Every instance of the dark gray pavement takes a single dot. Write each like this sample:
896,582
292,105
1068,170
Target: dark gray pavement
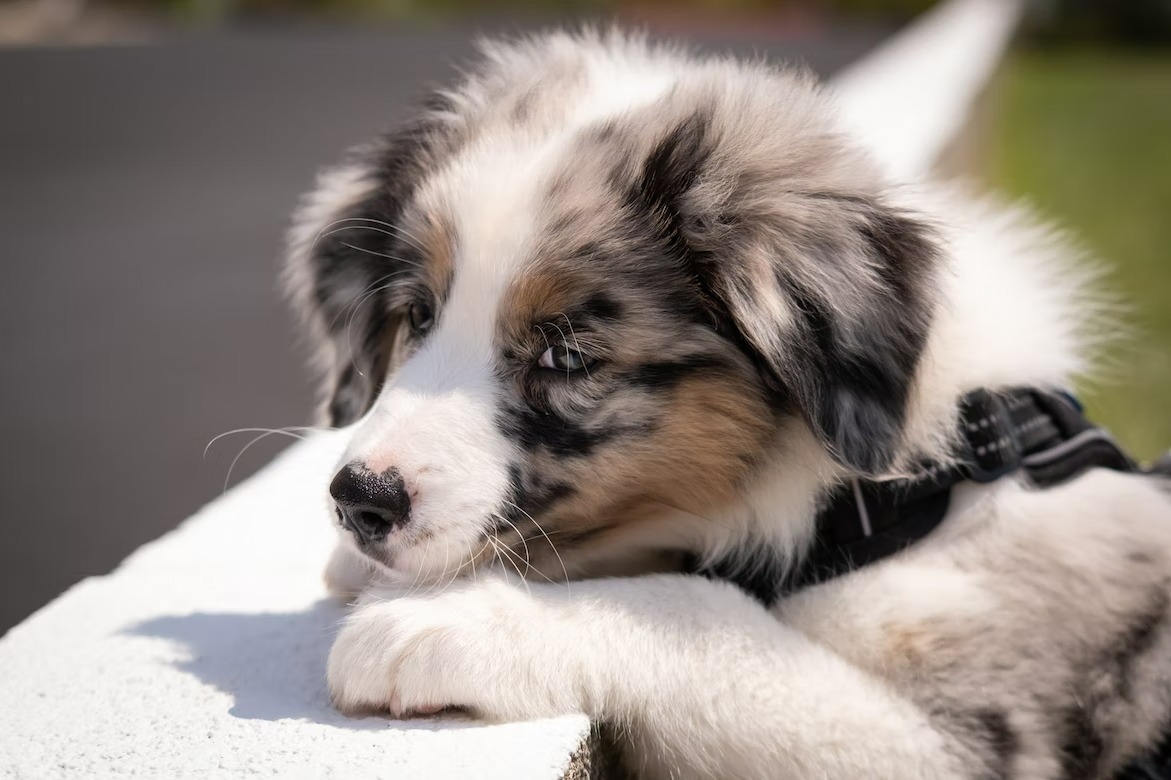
143,195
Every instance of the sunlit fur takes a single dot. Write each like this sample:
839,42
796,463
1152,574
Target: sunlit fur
766,316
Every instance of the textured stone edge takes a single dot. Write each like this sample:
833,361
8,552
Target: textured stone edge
598,757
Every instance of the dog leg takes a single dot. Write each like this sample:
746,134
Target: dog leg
703,680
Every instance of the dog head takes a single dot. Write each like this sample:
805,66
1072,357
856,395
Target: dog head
594,283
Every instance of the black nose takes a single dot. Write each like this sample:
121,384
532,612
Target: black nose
370,505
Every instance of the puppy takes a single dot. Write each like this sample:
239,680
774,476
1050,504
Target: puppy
605,315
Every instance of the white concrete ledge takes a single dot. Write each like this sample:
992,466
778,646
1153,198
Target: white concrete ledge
203,654
908,99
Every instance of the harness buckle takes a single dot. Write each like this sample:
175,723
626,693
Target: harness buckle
993,449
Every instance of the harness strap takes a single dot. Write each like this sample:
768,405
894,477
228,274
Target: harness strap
1043,436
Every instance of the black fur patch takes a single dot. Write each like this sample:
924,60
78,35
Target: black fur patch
1154,764
530,494
602,307
1080,745
655,198
671,169
355,257
1001,742
666,375
534,492
547,429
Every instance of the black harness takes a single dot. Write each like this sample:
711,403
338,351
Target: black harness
1041,436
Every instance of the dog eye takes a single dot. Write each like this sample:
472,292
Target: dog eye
420,316
562,358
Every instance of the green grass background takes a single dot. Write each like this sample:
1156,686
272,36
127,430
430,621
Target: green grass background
1085,135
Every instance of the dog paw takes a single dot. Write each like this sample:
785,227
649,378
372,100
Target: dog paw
482,648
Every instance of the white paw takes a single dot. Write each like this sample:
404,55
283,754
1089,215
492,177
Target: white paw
480,647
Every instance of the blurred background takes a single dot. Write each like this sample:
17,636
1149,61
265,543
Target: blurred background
151,151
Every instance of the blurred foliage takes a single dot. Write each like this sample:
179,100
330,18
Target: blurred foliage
213,10
1084,135
1129,21
1046,20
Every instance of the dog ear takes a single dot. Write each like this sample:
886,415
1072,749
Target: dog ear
860,320
830,291
836,299
344,248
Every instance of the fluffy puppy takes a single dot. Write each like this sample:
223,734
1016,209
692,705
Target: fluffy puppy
604,308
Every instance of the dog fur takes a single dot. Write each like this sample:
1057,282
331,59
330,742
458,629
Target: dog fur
760,316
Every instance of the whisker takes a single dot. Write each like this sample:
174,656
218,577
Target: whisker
561,333
291,430
460,566
415,584
502,548
399,232
496,555
477,554
576,344
513,559
552,546
528,566
466,537
554,532
381,254
435,586
359,298
499,547
545,337
474,556
410,237
326,233
248,446
366,295
353,316
528,557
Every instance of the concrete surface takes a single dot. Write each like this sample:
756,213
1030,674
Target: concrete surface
202,656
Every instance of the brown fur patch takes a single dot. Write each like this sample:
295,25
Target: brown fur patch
438,240
533,297
703,438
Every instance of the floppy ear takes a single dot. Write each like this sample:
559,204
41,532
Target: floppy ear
858,332
831,291
836,297
344,248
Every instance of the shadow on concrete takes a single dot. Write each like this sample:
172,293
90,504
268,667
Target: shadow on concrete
272,664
